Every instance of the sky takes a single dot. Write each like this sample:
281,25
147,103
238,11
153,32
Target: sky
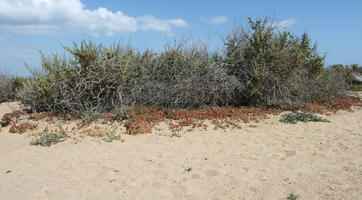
30,26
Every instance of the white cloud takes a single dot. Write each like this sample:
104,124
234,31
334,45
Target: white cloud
149,22
216,20
54,16
284,23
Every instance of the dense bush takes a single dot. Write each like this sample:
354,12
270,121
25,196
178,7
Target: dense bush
10,86
346,75
4,84
276,67
98,79
94,80
185,77
260,65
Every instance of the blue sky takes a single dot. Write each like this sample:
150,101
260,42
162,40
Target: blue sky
30,26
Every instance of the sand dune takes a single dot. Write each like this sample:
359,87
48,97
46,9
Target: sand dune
269,161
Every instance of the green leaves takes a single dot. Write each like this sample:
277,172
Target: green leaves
274,65
301,116
48,139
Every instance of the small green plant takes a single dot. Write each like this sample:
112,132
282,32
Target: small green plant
188,169
292,197
301,116
48,139
253,126
111,135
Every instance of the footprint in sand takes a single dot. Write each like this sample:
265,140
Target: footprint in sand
317,130
211,172
195,176
290,153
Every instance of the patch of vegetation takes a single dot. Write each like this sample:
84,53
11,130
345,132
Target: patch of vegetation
111,135
259,65
4,84
301,116
10,86
293,197
48,139
10,117
186,83
22,127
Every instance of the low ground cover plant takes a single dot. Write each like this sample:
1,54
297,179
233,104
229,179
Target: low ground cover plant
48,139
22,127
293,196
292,118
111,136
143,119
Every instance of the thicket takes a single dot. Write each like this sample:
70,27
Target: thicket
10,86
348,74
259,65
4,82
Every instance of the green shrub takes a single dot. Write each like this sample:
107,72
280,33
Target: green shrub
48,139
276,68
183,77
293,197
260,65
4,85
111,135
301,116
95,80
10,86
101,79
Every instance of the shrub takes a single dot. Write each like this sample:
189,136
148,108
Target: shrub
4,86
48,139
301,116
100,79
185,77
260,66
293,197
111,135
94,80
346,75
10,86
276,68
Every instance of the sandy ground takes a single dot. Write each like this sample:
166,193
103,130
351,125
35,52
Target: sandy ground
269,161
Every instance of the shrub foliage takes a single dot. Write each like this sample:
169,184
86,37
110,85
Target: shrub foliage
301,116
10,86
259,65
4,84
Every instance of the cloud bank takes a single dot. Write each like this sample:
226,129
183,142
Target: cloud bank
216,20
67,16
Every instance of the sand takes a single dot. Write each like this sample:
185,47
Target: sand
268,160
